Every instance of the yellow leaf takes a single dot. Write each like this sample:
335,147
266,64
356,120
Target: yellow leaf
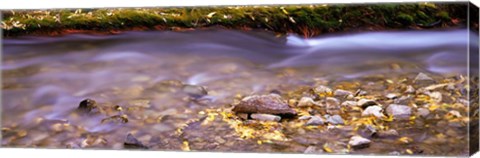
327,149
185,146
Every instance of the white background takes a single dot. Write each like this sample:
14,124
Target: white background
52,153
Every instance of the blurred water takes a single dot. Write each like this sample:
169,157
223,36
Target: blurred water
48,76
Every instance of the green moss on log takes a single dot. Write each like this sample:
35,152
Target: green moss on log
306,20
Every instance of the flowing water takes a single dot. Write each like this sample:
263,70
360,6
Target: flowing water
45,78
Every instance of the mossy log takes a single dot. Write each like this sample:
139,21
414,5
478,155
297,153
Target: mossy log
306,20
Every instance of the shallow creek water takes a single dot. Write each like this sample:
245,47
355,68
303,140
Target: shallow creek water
140,77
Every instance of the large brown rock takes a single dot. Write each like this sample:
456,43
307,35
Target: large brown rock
266,104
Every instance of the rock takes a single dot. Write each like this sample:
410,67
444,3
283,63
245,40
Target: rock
359,142
450,87
133,143
399,110
276,91
349,103
370,130
423,112
265,117
315,121
304,117
394,153
423,79
403,100
312,150
341,93
116,119
364,103
87,105
266,104
373,111
306,101
455,114
335,120
166,86
332,103
195,91
140,103
410,89
391,133
391,95
360,92
243,116
436,96
322,90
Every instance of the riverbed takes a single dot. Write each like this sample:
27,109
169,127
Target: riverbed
175,91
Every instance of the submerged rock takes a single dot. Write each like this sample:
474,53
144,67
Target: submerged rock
116,119
133,143
266,104
359,142
265,117
87,105
391,133
423,79
195,91
315,121
399,110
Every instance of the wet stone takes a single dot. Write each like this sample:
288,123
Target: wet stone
265,117
335,120
423,112
399,110
403,100
167,86
360,92
332,103
364,103
87,105
315,121
243,116
304,117
306,101
133,143
373,111
391,95
116,119
342,93
358,142
322,90
391,133
313,150
436,96
195,91
349,103
266,104
370,130
410,89
423,80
